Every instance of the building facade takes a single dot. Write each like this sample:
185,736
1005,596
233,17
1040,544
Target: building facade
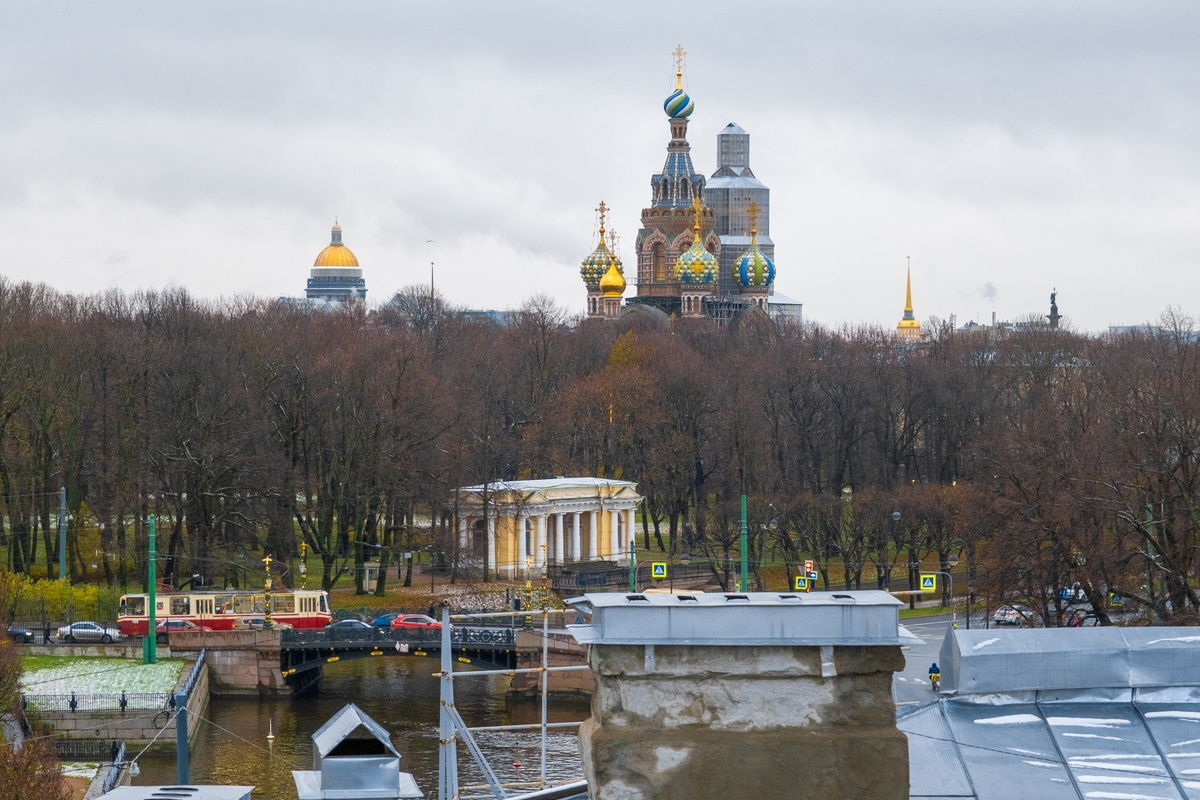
531,524
336,277
696,235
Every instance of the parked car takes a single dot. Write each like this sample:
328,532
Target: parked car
416,622
349,627
1010,614
169,626
257,624
383,622
20,635
87,632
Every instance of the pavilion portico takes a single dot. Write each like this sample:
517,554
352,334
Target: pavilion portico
551,522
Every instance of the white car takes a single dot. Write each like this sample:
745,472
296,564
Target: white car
87,632
1009,614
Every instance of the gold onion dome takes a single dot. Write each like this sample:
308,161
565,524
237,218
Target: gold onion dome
336,254
696,265
613,282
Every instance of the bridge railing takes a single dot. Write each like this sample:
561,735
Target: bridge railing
465,636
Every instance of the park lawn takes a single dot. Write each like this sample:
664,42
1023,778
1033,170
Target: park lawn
48,675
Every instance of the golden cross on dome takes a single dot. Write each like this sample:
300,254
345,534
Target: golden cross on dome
679,53
603,209
753,218
698,208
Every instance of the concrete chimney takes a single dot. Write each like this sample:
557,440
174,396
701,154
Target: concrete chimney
758,695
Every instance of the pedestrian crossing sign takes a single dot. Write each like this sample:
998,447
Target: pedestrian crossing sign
801,583
928,583
658,569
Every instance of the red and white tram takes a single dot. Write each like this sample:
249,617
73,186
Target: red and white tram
300,608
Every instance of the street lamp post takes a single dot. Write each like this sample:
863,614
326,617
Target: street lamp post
745,577
267,615
149,649
686,558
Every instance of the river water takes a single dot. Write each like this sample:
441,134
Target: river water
401,694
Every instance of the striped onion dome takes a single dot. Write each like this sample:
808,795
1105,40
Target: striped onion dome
753,269
679,104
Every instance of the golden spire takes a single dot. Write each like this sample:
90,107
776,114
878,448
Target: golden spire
753,222
603,209
679,54
908,291
698,210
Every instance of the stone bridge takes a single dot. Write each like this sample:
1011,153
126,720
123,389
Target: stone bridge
284,661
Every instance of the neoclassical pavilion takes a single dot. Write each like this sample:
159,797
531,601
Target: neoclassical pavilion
555,521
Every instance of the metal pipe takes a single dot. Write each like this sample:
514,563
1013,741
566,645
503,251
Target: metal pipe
526,727
181,738
745,584
545,687
447,749
482,672
150,654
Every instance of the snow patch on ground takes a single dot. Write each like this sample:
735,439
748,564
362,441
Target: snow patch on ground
75,769
105,676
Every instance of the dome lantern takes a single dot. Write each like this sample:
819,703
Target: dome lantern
336,254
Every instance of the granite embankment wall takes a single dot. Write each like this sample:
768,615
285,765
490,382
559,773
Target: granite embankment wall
563,651
134,726
241,663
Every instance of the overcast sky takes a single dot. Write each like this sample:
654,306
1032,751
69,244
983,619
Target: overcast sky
1007,147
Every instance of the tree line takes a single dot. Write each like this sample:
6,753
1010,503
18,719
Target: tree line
1042,458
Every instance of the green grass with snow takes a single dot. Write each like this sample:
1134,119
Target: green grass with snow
52,675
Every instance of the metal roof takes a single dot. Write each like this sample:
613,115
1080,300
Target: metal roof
188,792
1058,660
340,726
753,618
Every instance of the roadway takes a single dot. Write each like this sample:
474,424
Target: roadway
911,686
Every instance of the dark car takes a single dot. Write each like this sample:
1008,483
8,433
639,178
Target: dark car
20,635
349,627
383,622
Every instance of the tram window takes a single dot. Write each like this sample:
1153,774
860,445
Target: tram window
224,603
283,603
243,604
134,606
323,603
180,605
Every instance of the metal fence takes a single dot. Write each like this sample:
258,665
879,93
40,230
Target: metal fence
97,751
77,703
463,635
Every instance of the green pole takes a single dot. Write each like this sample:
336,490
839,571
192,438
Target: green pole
745,551
150,653
62,533
632,564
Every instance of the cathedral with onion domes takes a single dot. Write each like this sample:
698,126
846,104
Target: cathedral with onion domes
702,251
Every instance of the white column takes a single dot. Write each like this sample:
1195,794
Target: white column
594,537
558,539
631,526
491,537
618,543
540,553
576,539
522,544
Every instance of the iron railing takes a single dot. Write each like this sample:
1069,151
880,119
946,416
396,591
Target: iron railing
460,636
77,702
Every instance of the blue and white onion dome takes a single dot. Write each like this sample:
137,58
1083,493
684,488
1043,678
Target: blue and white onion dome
753,268
595,265
679,104
696,265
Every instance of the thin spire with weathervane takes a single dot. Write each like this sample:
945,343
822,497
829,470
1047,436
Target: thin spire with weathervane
908,327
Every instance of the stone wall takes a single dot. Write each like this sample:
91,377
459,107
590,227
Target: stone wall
242,663
564,651
685,722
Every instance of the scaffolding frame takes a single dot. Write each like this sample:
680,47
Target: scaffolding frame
452,727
